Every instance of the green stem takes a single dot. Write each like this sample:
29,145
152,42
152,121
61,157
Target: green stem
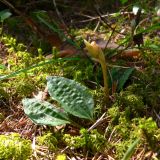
105,79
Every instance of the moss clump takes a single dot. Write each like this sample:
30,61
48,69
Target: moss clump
114,114
3,94
61,157
14,147
127,131
131,103
18,61
130,100
149,131
92,141
48,140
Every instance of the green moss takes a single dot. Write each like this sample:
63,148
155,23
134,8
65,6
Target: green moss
61,157
114,113
147,124
3,93
24,83
79,71
131,103
14,147
93,141
25,87
127,131
121,147
74,141
130,100
48,140
149,131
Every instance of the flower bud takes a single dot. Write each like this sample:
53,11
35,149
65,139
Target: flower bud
94,50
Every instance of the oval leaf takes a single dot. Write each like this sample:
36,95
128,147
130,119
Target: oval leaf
44,113
72,96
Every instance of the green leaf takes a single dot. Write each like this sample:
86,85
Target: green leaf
44,113
120,75
72,96
124,77
4,15
130,150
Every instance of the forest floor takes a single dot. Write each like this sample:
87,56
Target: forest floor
125,125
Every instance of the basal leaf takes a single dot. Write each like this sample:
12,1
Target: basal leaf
72,96
44,113
120,75
127,72
4,15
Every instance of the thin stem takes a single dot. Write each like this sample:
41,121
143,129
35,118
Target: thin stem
105,79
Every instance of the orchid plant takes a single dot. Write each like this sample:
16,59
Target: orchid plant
97,54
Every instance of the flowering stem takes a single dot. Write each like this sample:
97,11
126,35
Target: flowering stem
97,54
105,80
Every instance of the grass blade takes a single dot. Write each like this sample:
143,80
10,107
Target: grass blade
130,150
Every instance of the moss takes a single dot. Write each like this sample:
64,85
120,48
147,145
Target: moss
114,114
14,147
121,147
93,141
149,131
25,87
26,82
48,140
148,124
61,157
130,100
3,93
131,103
127,131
